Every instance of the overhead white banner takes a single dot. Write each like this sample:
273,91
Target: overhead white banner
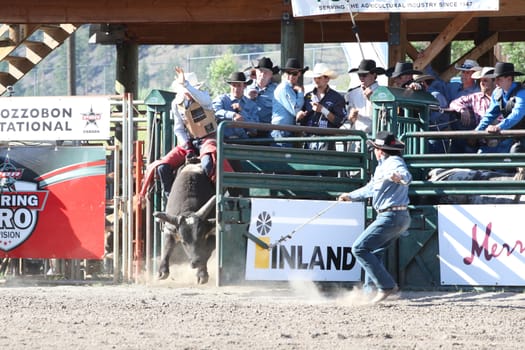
302,8
319,249
53,118
482,244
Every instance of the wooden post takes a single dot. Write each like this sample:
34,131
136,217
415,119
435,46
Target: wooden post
292,38
127,68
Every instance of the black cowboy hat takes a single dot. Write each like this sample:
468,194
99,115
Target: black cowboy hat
238,77
385,140
367,66
402,68
503,69
294,64
265,62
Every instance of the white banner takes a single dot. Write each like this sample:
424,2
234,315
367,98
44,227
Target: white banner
482,244
302,8
54,118
320,247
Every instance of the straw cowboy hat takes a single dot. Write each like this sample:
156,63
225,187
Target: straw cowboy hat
503,69
238,77
266,63
385,140
294,64
418,78
320,69
179,89
469,65
402,68
483,73
367,66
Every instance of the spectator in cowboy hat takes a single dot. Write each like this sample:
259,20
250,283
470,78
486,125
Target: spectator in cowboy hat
262,91
507,100
401,74
323,107
389,192
288,98
358,104
467,85
235,106
471,108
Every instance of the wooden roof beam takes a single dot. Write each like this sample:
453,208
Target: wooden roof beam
442,40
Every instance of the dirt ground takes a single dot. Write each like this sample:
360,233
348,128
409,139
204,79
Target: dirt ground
177,314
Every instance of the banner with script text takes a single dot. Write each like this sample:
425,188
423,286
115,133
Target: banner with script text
482,245
54,118
303,8
320,246
52,202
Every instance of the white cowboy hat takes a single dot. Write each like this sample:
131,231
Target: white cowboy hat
320,69
483,73
469,65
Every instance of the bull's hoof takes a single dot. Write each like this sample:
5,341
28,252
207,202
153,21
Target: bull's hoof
202,277
163,275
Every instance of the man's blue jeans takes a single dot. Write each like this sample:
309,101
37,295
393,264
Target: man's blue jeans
369,247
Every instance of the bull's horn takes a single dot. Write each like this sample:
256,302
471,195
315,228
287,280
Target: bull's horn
204,211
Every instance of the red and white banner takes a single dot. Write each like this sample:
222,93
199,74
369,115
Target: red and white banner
319,249
52,202
53,118
482,244
303,8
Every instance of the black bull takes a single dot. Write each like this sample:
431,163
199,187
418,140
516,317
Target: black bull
190,219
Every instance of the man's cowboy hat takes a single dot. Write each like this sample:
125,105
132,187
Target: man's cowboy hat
179,89
266,63
238,77
483,73
385,140
402,68
418,78
469,66
503,69
320,69
293,64
367,66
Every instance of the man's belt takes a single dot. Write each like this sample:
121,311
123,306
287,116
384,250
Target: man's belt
394,208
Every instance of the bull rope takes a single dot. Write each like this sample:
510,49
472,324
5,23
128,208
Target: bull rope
294,231
355,30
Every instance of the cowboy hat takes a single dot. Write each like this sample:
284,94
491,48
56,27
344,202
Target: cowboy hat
179,89
294,64
402,68
266,63
469,65
367,66
483,73
418,78
238,77
320,69
385,140
503,69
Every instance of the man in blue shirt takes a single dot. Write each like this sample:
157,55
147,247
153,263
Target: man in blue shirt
237,107
389,192
507,100
263,89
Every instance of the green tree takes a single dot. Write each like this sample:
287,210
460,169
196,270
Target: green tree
219,69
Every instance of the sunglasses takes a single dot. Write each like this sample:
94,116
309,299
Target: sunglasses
362,75
294,73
